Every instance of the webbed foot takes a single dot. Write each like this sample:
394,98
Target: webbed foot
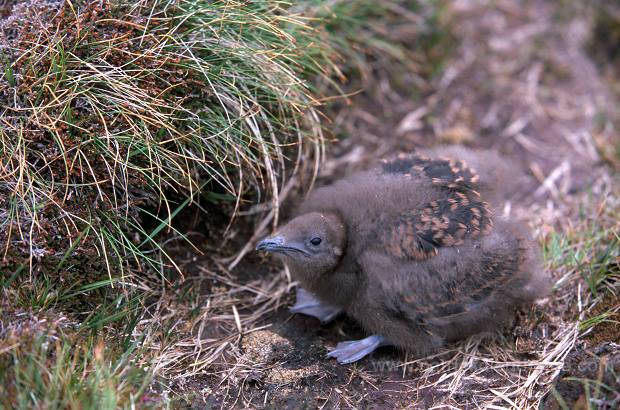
353,350
309,305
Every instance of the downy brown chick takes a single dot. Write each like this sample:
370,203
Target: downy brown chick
412,252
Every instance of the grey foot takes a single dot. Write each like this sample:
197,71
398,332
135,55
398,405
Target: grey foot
353,350
308,305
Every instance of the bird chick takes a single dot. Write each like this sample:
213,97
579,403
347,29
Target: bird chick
412,252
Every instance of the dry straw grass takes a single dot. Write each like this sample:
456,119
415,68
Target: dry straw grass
114,114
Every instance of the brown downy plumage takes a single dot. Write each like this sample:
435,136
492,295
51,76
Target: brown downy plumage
411,251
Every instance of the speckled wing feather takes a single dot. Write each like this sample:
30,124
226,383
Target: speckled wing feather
444,172
443,222
458,214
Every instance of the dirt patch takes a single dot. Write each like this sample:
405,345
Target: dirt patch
589,375
608,330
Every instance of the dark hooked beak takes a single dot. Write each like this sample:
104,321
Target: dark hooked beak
279,244
270,244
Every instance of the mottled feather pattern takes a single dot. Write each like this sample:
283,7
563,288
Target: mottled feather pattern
443,222
445,172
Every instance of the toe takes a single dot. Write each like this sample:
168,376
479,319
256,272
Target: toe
354,350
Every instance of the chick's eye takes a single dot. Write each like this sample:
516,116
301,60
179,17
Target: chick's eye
316,241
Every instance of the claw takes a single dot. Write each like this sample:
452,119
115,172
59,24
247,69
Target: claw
308,305
353,350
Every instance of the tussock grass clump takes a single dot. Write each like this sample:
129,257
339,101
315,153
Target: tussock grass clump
115,110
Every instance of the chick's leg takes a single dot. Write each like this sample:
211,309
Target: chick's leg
309,305
353,350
